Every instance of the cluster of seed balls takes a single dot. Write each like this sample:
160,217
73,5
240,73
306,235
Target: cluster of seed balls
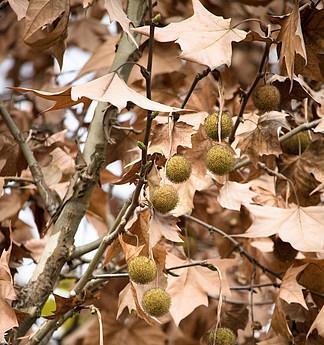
142,270
219,160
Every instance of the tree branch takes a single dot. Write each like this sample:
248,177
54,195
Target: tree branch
50,203
72,213
238,246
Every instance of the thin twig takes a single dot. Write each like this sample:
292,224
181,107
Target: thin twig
246,95
236,244
252,303
45,193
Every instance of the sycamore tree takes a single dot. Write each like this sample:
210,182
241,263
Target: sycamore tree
213,112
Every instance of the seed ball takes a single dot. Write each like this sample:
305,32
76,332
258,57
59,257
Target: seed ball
211,125
178,169
222,336
219,160
266,98
142,270
283,251
156,302
165,199
296,144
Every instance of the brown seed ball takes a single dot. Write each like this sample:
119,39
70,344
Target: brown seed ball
219,160
178,169
222,336
165,199
211,125
266,98
142,270
283,251
156,302
296,144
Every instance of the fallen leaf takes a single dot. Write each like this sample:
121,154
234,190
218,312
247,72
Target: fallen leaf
290,291
116,13
318,324
203,38
108,88
194,284
292,39
302,227
232,195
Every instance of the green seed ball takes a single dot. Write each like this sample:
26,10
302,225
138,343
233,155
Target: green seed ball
165,199
219,160
296,144
266,98
142,270
222,336
211,125
178,169
156,302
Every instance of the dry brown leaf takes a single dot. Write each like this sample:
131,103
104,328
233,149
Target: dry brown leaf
264,139
116,13
290,291
129,250
46,25
8,318
318,324
232,195
102,58
279,322
193,285
163,226
7,294
292,39
167,137
302,227
203,38
312,21
20,7
87,33
108,88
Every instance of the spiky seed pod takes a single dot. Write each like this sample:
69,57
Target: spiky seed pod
156,302
178,169
222,336
211,125
219,160
142,270
266,98
296,144
165,198
283,251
